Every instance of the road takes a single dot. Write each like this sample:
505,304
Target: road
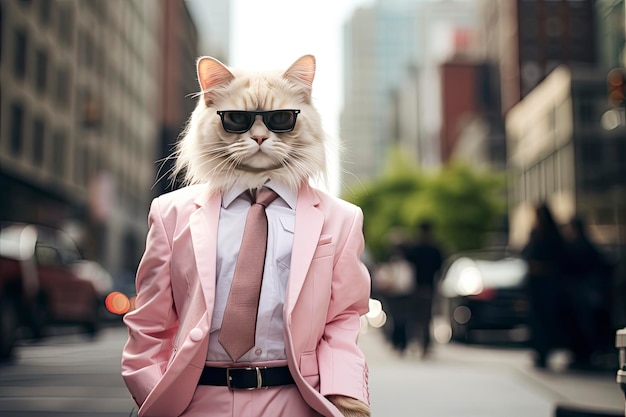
71,376
68,376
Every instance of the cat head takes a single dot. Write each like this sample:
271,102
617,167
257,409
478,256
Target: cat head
225,154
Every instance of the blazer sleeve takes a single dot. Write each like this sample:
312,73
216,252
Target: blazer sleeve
343,369
152,325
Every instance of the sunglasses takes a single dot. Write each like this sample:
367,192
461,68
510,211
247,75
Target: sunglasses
240,121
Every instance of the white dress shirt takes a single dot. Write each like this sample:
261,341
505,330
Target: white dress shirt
281,215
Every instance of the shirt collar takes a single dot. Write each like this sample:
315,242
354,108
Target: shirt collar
285,192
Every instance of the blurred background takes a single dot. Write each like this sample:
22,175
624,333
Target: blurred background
466,114
512,97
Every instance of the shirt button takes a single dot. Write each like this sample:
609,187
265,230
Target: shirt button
258,352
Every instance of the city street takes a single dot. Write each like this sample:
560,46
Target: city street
72,376
68,376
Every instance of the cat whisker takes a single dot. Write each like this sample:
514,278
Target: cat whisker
168,173
349,188
227,164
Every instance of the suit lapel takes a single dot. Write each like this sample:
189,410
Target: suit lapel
203,226
309,222
308,227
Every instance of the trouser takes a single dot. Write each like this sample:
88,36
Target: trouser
220,401
284,401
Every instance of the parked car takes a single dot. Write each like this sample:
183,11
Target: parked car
101,278
484,290
39,285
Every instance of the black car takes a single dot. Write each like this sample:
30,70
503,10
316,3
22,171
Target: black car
484,290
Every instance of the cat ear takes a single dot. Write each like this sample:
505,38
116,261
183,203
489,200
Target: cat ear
211,73
302,71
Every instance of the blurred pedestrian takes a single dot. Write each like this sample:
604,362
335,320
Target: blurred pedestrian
426,257
394,281
587,283
544,254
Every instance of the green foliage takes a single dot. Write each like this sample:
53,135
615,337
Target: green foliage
461,202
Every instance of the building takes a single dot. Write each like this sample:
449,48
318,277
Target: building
179,85
81,94
393,49
562,154
559,151
527,39
476,129
359,115
213,23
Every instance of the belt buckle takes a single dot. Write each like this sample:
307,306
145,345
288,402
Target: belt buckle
259,377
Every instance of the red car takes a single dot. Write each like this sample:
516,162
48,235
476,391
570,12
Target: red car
40,285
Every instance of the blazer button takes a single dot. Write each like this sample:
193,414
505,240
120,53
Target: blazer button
196,334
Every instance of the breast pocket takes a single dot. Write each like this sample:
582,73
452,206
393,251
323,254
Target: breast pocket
325,247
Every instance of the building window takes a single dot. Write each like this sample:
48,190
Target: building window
19,51
17,129
80,166
58,154
45,12
63,87
66,24
86,50
41,80
38,142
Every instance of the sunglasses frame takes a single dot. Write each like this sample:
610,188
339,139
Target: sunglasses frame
264,116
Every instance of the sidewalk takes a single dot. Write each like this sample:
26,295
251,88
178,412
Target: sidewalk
507,373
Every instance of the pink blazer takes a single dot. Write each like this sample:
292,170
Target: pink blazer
328,291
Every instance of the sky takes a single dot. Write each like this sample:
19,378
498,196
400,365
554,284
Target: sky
272,34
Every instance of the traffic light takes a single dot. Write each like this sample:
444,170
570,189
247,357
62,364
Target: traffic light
616,82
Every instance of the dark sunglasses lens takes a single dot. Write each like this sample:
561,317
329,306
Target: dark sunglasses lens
281,120
237,121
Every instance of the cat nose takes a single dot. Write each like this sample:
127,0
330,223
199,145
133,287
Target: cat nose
259,132
259,139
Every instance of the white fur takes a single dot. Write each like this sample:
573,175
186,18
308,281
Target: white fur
208,154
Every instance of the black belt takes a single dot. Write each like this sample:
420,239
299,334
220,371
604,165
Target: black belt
249,378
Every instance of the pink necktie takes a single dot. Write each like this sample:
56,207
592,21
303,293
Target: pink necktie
239,323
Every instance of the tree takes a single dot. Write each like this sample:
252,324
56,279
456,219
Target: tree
463,204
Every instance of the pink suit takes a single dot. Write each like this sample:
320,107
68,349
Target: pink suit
328,291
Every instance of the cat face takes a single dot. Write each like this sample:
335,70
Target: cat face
218,149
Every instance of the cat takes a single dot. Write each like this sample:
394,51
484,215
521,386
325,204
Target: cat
209,154
250,130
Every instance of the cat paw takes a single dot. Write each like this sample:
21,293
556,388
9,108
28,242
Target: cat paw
349,406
